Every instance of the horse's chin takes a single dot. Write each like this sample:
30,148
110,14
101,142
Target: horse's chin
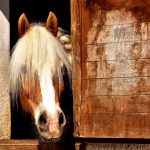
46,137
49,140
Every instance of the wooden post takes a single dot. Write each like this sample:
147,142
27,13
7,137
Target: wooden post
4,81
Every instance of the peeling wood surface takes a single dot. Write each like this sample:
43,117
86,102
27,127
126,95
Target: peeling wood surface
116,86
112,68
116,51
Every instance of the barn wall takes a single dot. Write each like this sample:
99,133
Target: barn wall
111,77
4,61
111,62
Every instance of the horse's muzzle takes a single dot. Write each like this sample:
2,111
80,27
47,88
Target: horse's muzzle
51,126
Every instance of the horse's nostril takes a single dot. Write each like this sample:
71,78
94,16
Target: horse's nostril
61,119
42,119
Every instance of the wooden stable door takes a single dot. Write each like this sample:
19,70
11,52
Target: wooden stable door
111,69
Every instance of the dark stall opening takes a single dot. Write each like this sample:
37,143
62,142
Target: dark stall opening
37,11
22,126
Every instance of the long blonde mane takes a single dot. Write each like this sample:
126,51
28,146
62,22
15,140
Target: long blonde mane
38,48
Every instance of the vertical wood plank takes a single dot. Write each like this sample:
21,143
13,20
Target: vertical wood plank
76,50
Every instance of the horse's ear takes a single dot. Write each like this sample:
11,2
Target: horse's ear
23,25
52,23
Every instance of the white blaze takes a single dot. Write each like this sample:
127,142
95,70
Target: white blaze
47,91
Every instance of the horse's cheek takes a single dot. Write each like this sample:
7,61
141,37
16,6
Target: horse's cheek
27,104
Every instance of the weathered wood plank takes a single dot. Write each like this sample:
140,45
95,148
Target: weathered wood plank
76,53
116,86
116,33
33,145
116,51
139,8
99,17
92,17
19,144
96,16
113,69
119,125
113,4
114,146
118,104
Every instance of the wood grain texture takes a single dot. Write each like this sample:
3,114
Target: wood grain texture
19,144
76,53
114,70
116,51
116,33
116,86
120,125
116,104
33,145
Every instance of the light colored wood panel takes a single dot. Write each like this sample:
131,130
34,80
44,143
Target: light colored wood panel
116,86
113,69
120,16
118,104
116,33
116,51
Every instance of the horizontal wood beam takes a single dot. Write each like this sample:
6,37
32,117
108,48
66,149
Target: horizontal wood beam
33,145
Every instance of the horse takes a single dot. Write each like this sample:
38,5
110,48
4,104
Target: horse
37,67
